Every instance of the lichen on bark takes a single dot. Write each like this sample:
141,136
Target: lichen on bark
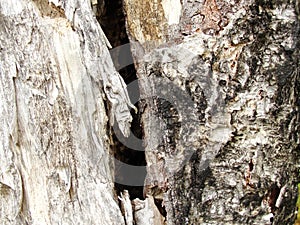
240,68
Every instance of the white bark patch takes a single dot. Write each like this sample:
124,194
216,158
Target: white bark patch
11,7
56,2
281,196
172,10
146,212
126,207
52,92
64,174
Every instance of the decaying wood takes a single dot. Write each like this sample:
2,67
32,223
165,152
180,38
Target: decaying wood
146,212
220,82
56,74
126,207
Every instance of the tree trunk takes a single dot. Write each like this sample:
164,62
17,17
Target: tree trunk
216,136
57,84
220,82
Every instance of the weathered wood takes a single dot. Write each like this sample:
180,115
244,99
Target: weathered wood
220,111
56,74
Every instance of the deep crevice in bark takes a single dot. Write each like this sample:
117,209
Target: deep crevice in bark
111,17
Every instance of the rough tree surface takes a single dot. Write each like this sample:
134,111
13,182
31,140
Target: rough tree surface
238,63
219,83
56,79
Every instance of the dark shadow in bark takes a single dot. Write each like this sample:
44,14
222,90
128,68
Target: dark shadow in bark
112,20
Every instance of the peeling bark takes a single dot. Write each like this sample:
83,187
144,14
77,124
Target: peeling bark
126,207
219,111
56,78
146,212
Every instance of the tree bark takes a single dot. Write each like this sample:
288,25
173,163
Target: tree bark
219,110
220,82
58,88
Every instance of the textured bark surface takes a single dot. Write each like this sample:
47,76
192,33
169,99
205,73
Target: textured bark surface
219,110
228,151
58,83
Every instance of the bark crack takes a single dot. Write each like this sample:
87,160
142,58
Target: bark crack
128,152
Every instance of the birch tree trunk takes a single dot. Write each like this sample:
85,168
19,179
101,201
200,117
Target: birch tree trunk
218,112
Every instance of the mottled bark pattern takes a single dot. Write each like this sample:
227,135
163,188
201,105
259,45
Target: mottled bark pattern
220,111
239,64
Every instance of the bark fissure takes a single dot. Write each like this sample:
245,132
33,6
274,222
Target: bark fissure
111,18
217,140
